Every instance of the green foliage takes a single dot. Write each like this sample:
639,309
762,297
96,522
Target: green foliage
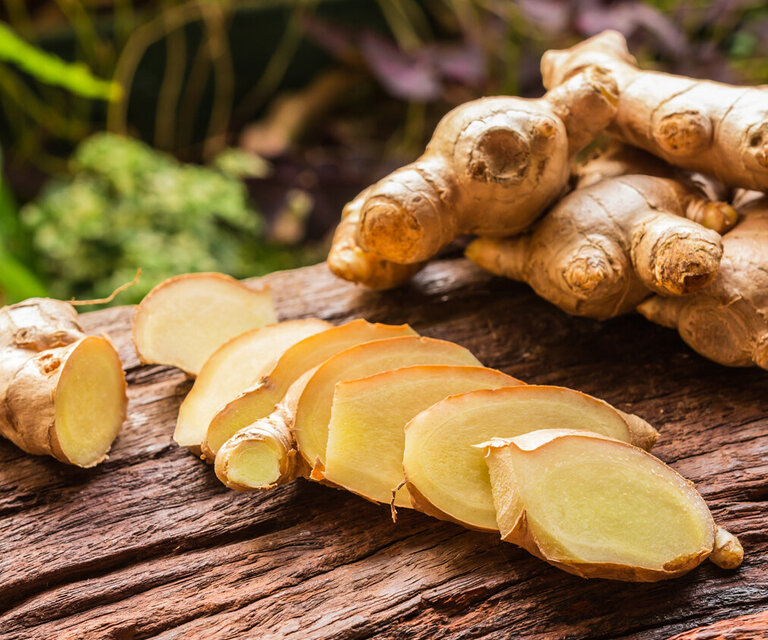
127,206
16,281
51,69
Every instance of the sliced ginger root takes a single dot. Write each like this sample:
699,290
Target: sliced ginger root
313,411
62,393
234,367
728,321
604,248
184,319
445,473
305,412
601,508
263,454
492,166
259,401
366,433
700,125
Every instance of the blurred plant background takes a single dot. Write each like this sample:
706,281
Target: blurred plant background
191,135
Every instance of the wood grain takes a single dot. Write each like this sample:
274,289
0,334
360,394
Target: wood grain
149,544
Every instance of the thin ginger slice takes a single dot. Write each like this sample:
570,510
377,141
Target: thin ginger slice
184,319
259,401
313,412
232,368
366,434
601,508
446,474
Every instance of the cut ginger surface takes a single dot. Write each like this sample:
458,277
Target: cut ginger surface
598,507
366,434
446,473
184,319
233,367
313,412
259,401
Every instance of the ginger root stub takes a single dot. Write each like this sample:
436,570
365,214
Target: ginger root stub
62,393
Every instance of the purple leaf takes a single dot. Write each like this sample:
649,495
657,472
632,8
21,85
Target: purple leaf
629,18
405,77
552,16
463,63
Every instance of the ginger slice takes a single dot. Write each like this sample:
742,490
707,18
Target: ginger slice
259,401
601,508
232,368
62,393
313,412
184,319
366,434
445,472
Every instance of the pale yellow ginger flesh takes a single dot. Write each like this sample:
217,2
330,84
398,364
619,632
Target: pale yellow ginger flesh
263,454
313,412
446,474
90,402
599,508
700,125
234,367
366,434
728,321
259,401
184,319
62,393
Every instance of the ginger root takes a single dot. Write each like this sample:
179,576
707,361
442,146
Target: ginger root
184,319
728,321
601,508
348,261
701,125
445,473
604,248
263,455
492,166
62,393
305,412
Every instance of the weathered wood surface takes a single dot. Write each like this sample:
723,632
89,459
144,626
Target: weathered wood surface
151,545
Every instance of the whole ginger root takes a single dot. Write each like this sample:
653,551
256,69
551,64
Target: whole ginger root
62,393
604,248
728,321
493,165
700,125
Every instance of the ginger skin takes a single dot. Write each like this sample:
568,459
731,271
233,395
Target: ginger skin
348,261
45,357
700,125
603,249
728,321
492,166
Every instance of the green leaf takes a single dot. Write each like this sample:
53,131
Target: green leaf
16,281
51,69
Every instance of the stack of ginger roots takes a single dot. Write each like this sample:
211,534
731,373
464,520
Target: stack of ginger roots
415,422
669,217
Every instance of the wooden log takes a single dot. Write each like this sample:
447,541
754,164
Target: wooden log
149,544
